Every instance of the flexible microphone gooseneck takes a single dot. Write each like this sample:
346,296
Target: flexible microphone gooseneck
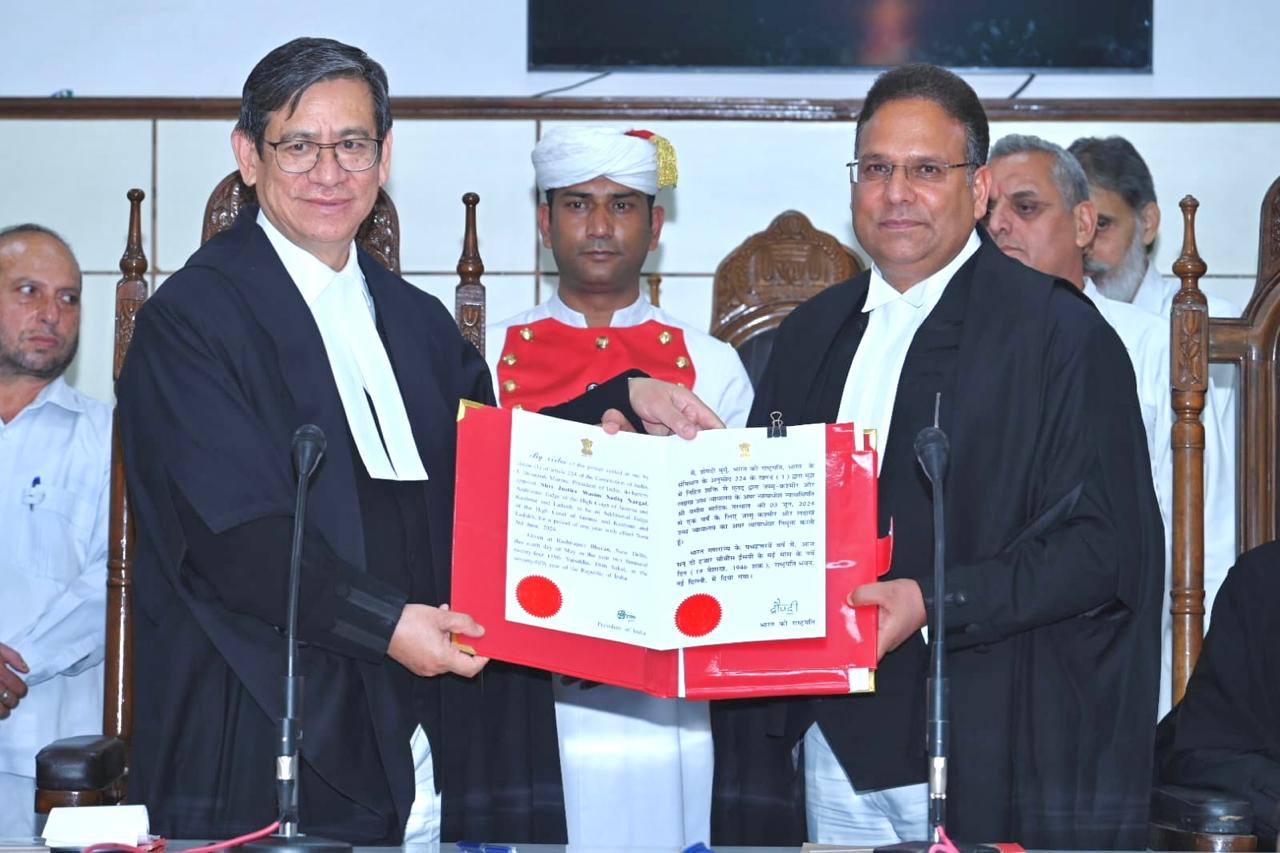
933,451
308,450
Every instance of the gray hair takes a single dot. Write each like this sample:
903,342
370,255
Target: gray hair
283,75
1067,173
13,231
1114,164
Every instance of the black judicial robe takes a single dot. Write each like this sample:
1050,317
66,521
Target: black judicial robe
225,364
1054,551
1225,733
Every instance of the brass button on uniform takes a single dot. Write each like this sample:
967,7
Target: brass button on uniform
664,338
509,385
602,342
509,359
682,362
526,333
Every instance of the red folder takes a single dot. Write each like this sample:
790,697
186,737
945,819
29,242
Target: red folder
841,662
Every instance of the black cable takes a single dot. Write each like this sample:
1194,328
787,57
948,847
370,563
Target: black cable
599,76
1025,83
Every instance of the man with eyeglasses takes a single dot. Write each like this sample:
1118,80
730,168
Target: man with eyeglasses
1053,542
277,322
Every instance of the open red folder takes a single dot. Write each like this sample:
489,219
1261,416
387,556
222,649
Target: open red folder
841,662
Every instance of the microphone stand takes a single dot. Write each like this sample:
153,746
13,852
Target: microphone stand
933,451
308,449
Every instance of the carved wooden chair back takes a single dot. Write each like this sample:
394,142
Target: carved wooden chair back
764,279
1252,343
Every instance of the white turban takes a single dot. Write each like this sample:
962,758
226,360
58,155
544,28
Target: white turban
566,156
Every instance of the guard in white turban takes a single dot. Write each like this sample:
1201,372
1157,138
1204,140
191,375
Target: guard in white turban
637,769
638,159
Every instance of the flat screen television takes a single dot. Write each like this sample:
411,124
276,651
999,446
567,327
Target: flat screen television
840,35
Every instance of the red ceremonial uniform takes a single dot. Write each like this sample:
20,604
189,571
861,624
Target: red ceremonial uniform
547,362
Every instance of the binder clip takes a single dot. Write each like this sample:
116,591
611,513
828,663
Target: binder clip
777,429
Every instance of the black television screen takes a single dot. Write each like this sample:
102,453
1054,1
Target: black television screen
817,35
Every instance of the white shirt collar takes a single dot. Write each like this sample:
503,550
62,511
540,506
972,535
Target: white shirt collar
925,292
59,393
633,315
310,274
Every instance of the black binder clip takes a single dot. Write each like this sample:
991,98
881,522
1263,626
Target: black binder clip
777,429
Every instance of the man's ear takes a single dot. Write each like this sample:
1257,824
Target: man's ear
1086,219
544,223
384,159
656,217
246,157
1149,221
981,191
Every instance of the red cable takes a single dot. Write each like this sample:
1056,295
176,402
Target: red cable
158,845
945,845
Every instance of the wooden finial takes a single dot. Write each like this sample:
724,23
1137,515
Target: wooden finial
1189,378
655,284
131,290
1189,266
469,304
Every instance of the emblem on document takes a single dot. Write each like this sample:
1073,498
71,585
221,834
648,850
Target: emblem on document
744,450
586,446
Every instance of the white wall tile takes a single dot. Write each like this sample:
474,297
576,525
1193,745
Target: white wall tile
73,179
504,294
434,162
91,369
191,158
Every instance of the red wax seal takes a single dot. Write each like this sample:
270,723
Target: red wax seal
539,596
698,615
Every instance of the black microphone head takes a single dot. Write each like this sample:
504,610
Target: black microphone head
932,451
308,448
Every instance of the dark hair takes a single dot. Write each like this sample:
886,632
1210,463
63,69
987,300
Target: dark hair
32,228
942,87
1114,164
284,74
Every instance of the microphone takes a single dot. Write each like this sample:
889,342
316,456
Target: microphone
308,450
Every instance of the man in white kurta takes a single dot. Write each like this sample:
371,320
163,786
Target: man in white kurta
55,456
1119,259
637,769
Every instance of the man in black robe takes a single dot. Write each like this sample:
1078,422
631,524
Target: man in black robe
1053,538
239,348
1225,733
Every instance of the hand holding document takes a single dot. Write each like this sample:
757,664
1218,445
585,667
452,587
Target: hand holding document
712,567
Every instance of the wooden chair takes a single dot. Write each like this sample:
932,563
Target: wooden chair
1185,819
764,279
92,770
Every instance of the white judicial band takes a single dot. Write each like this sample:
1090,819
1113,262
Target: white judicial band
343,310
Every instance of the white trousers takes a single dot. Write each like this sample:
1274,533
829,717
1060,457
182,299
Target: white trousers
636,769
423,826
17,805
838,814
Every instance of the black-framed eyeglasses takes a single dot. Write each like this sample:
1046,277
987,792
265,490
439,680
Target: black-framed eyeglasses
917,172
301,155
